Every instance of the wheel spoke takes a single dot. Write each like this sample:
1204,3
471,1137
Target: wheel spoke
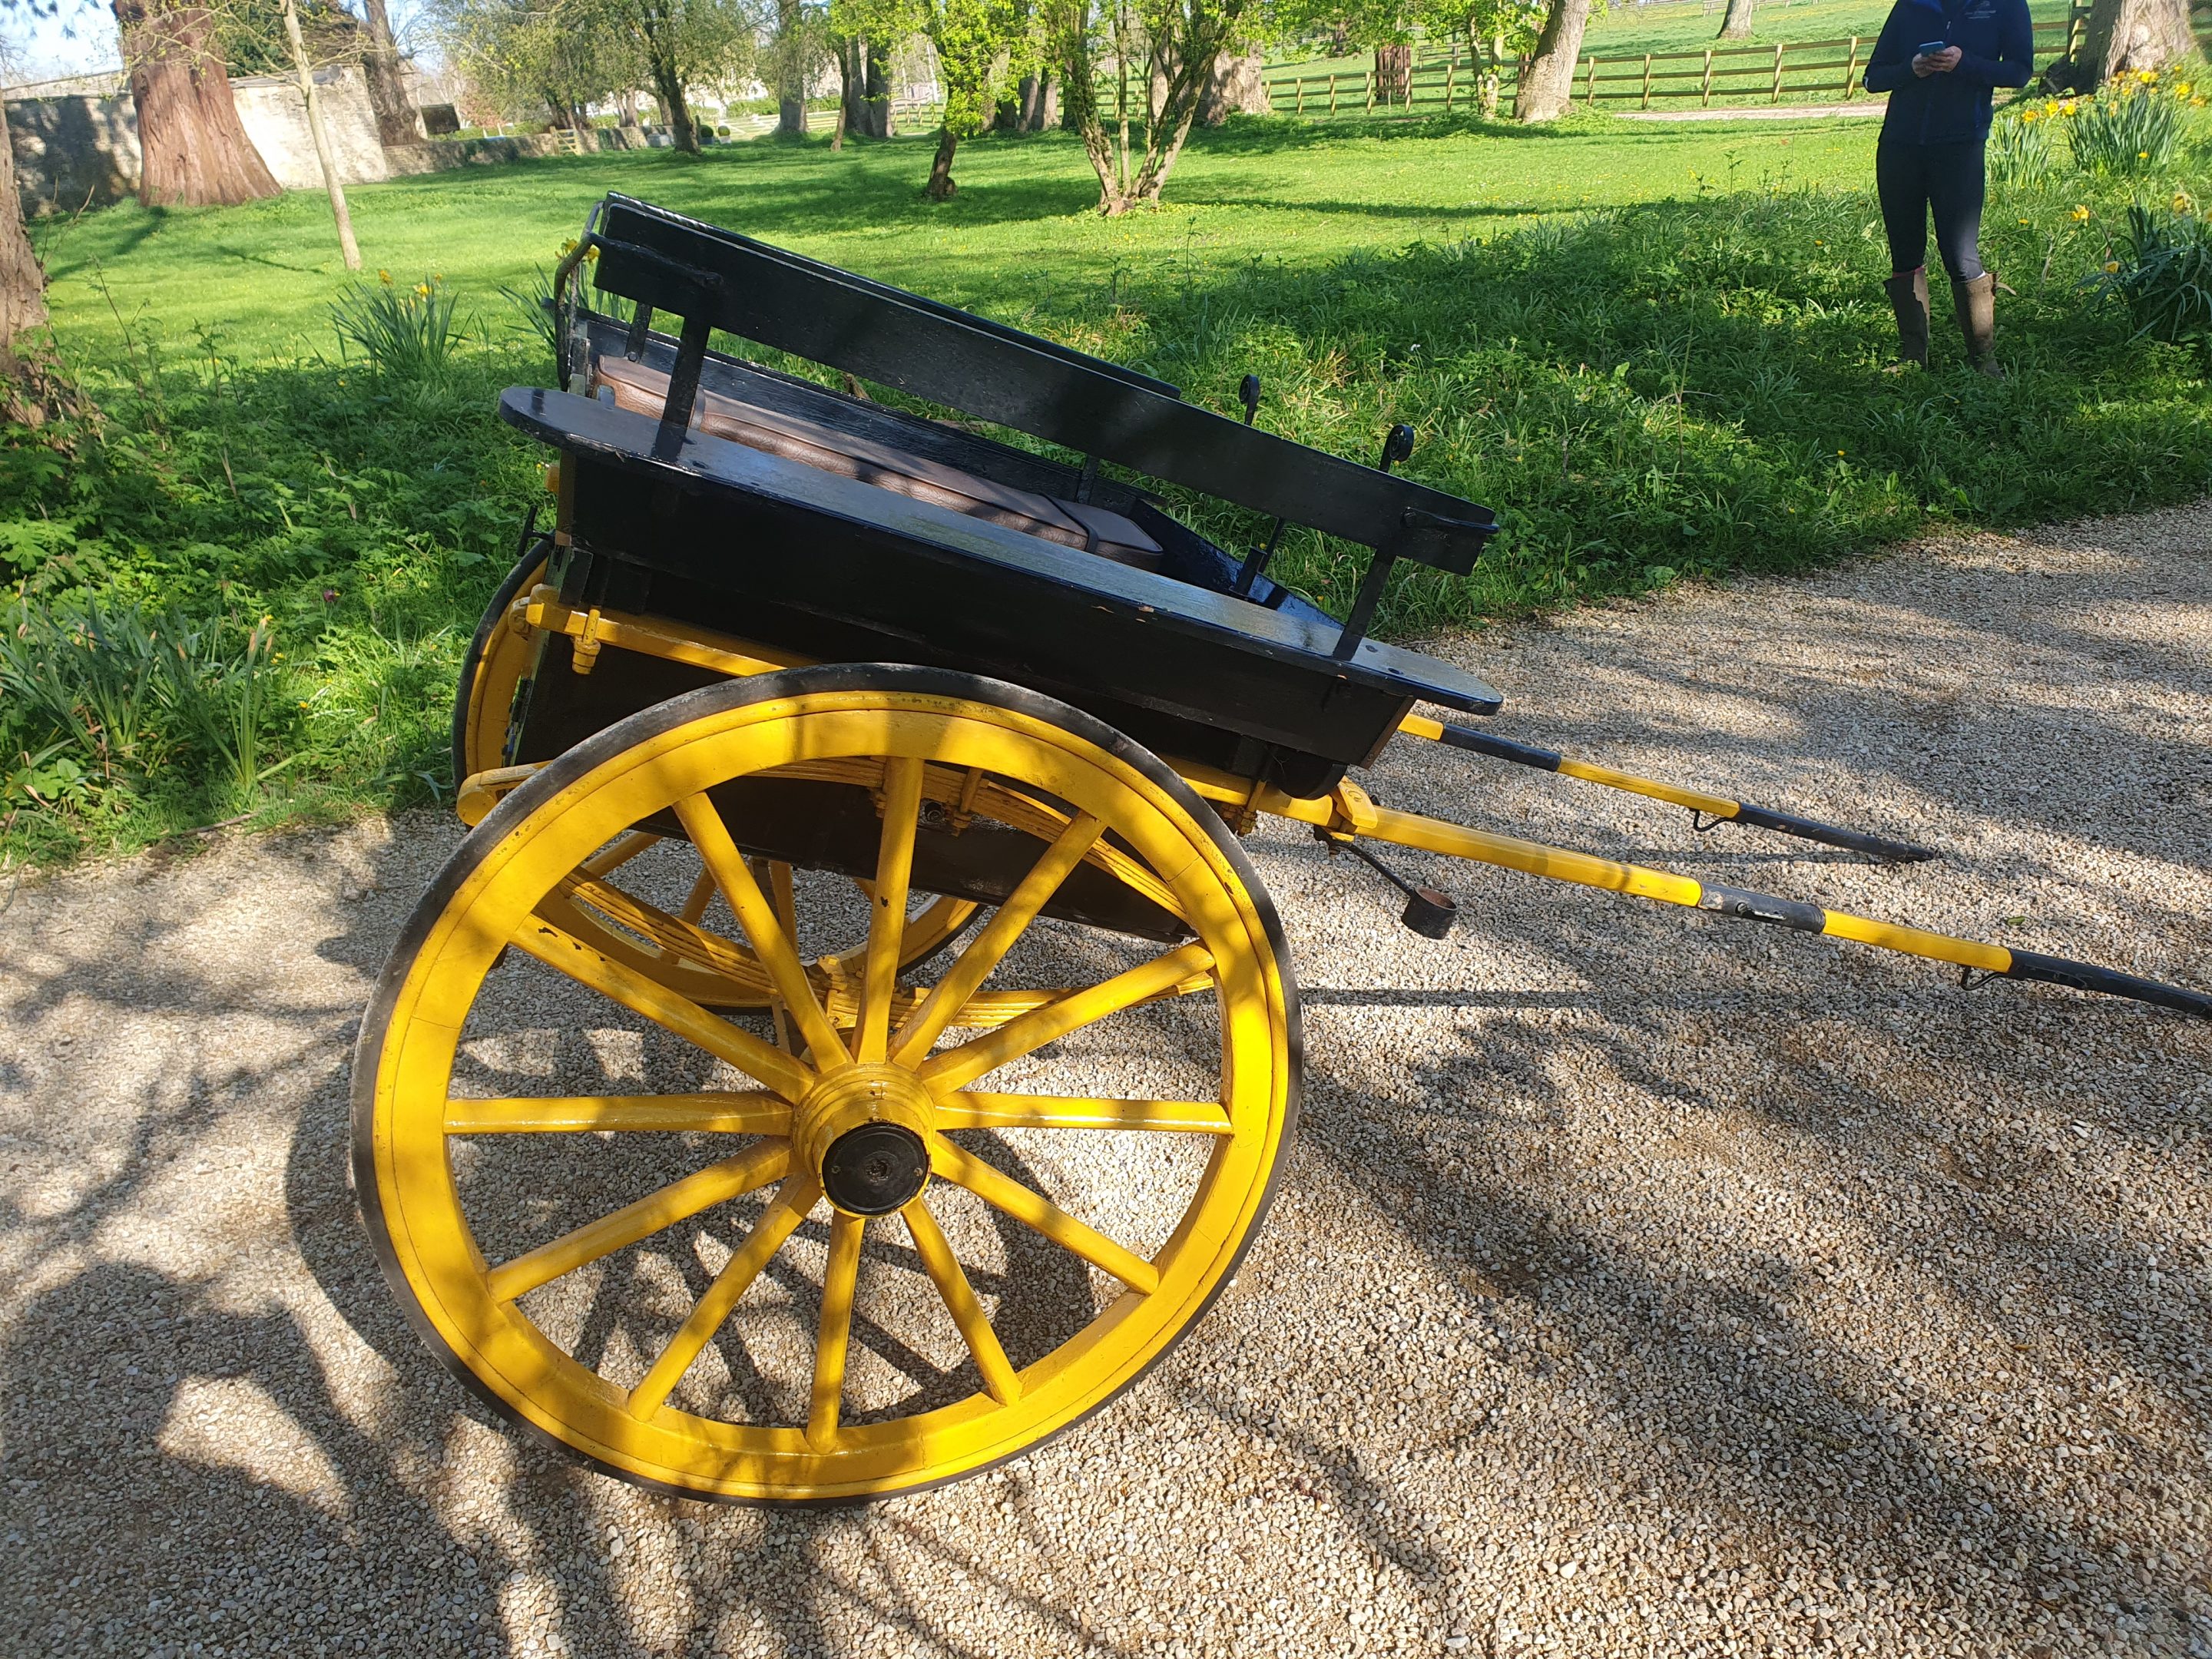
665,935
1034,1210
958,1067
994,1111
887,901
927,1023
781,897
663,1007
694,901
752,1112
613,857
785,1212
944,1268
838,1279
754,1167
775,948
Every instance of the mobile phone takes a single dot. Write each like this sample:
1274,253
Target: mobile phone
1928,46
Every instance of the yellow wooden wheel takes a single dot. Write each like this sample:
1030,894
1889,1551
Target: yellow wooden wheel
500,656
839,1251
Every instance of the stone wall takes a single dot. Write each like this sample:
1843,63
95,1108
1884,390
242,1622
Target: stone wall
80,149
73,151
276,118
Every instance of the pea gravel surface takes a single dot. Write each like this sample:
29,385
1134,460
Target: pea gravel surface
1640,1283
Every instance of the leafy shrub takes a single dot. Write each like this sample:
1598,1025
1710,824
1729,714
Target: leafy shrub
2132,127
106,701
2163,274
2021,151
406,333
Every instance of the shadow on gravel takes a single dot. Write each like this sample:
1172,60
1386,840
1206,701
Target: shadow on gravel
251,1449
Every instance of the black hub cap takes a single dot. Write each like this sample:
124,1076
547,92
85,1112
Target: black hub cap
875,1168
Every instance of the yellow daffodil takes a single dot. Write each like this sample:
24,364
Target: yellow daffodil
2079,214
385,277
2111,266
2181,203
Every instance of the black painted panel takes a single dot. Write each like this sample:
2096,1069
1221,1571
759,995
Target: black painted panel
996,374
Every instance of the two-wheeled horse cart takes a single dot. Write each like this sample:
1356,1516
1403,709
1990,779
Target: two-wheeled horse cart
890,776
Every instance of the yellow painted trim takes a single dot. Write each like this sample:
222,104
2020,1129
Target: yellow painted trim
1420,726
722,653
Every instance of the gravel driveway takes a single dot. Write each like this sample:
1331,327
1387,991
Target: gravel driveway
1642,1283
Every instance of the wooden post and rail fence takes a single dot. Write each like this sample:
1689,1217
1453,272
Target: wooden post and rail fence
1792,71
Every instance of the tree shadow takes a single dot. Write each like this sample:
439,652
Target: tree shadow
1632,1180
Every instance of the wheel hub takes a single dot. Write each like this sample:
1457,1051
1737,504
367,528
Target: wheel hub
864,1132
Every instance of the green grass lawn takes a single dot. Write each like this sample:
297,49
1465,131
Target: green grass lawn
1019,239
1658,351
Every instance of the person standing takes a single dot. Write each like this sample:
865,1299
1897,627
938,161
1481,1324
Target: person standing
1940,60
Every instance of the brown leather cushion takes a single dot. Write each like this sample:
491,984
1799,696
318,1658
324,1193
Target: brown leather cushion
1071,524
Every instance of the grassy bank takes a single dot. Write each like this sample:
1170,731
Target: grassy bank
1658,353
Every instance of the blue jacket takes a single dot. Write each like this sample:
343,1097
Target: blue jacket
1998,42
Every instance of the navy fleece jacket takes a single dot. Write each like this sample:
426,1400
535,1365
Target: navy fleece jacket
1998,44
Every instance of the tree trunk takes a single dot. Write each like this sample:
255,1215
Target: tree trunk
1489,61
22,279
668,90
1393,74
790,72
1040,100
1548,86
941,186
1736,25
866,96
1238,86
194,150
2124,35
397,120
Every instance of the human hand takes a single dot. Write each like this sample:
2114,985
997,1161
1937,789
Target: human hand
1937,63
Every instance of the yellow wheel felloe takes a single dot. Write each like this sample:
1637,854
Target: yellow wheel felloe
838,1118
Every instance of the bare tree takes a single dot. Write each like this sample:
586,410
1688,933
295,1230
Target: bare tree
1549,84
321,134
1183,40
193,148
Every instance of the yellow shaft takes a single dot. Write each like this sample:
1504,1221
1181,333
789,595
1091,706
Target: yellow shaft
1533,857
1720,808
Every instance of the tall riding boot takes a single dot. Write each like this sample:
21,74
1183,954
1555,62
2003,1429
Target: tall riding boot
1908,298
1975,300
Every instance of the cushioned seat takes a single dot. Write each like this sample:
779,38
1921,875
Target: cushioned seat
1076,524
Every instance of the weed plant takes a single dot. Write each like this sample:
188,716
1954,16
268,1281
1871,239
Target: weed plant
2021,150
407,333
2129,129
2162,274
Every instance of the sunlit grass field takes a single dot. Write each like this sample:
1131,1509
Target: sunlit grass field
1019,238
1659,352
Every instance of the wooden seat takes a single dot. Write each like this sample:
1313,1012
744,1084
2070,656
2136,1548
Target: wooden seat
1080,525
